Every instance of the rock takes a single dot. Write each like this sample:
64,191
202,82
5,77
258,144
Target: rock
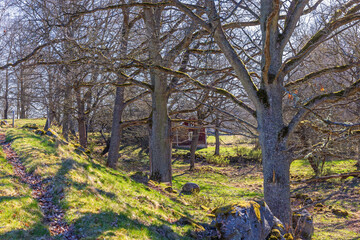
30,126
339,212
303,224
52,133
319,207
39,132
3,123
190,188
81,150
170,189
308,200
248,221
301,196
288,236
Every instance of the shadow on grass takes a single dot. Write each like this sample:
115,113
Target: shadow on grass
90,225
38,231
93,225
8,198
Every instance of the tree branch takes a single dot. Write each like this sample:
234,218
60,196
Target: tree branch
327,97
27,57
320,73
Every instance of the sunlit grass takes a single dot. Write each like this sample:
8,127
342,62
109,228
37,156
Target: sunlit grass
100,202
20,215
107,204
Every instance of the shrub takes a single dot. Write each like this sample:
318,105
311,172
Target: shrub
218,160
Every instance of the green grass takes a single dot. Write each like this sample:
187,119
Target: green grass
107,204
218,185
345,195
20,215
225,139
100,202
302,168
21,122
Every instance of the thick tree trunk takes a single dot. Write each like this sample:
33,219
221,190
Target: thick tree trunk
193,147
276,164
116,128
160,139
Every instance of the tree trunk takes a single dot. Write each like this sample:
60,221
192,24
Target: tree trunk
66,110
119,105
81,118
193,147
116,128
160,139
48,120
358,156
276,164
217,138
22,97
6,108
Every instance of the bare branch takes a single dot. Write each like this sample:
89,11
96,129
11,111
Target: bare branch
320,73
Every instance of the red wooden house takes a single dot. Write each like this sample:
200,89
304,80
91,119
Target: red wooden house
183,134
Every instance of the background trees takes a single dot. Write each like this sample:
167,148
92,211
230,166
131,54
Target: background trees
264,65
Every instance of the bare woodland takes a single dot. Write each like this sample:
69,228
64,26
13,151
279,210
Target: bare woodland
283,73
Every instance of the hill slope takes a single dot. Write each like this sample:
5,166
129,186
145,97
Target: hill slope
102,203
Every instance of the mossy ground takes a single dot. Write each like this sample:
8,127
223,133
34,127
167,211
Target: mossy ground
20,215
107,204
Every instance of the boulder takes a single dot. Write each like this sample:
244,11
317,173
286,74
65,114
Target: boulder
39,131
339,212
303,224
190,188
30,126
52,133
248,221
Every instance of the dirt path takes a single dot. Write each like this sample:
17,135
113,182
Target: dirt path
42,191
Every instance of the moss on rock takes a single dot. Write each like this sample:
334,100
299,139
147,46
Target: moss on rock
288,236
340,212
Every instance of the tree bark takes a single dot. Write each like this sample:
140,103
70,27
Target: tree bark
50,108
66,109
160,136
193,147
217,138
48,120
22,96
160,139
119,105
81,119
276,164
116,128
6,97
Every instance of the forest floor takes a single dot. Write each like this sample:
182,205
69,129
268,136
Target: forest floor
101,203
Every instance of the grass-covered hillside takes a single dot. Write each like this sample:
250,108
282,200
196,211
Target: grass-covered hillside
102,203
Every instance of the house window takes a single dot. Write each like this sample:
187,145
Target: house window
190,136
